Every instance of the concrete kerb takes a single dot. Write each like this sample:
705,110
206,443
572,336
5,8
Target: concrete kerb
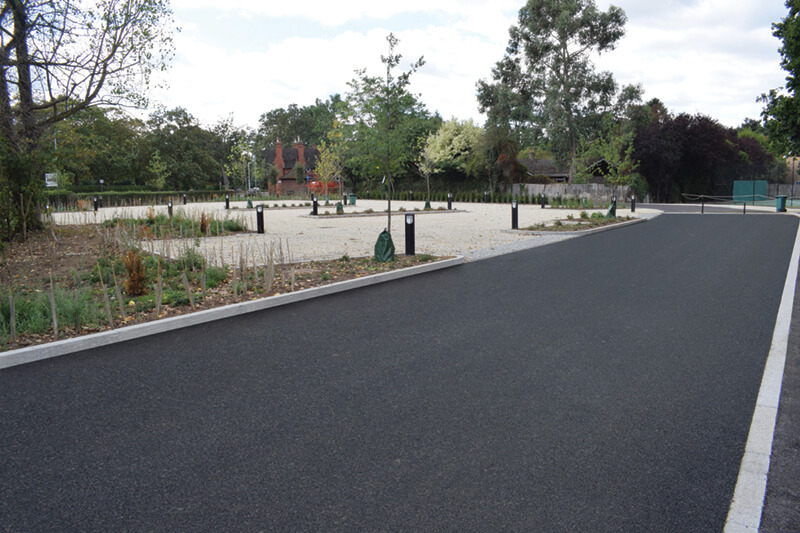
105,338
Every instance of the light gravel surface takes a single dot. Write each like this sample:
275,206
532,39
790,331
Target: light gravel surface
476,231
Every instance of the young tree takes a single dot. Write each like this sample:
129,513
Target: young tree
386,117
299,173
158,171
547,71
614,144
330,164
58,57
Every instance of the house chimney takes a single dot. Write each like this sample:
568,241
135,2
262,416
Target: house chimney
301,158
279,157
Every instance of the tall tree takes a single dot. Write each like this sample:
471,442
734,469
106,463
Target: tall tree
546,76
309,123
781,112
185,147
694,154
58,57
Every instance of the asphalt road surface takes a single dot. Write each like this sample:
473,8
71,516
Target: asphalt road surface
602,383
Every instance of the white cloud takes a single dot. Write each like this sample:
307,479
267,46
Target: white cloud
709,56
337,13
712,56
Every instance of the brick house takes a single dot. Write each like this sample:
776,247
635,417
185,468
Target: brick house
285,160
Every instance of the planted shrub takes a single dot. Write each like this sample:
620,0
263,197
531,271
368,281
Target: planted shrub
204,222
136,278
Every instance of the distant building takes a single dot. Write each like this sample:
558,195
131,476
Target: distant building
285,160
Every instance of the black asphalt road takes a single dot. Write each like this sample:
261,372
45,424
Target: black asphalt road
602,383
708,208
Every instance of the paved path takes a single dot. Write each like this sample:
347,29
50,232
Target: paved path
602,383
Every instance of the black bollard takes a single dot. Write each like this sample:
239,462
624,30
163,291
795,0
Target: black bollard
514,215
169,208
486,197
260,218
314,206
449,201
227,202
184,199
95,202
633,203
410,234
410,196
744,207
702,205
367,195
344,198
543,200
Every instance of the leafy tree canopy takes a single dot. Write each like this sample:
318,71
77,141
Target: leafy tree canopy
781,112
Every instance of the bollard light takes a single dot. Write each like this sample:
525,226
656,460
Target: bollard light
227,202
449,201
94,201
314,206
184,199
169,208
633,203
486,197
410,234
514,215
260,218
542,200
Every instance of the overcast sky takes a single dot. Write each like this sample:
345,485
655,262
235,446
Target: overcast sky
246,57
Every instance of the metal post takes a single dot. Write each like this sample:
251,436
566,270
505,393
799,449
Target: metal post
543,200
314,206
702,205
449,201
227,202
184,199
260,218
344,198
410,197
94,201
486,197
169,208
100,201
514,215
410,234
633,203
744,208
